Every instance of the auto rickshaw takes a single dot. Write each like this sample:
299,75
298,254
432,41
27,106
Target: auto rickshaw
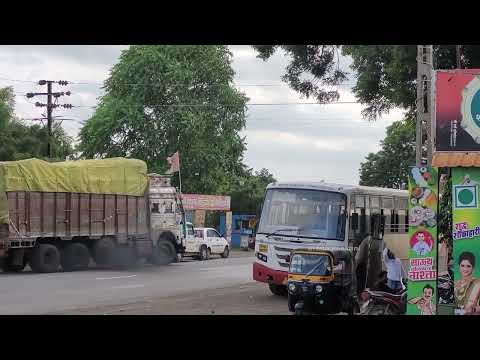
321,282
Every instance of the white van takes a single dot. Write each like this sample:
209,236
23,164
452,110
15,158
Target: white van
205,242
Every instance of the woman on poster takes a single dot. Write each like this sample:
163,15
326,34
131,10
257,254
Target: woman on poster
467,289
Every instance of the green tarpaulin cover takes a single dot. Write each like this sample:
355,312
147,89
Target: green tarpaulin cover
106,176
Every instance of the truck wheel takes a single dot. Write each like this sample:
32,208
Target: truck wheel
279,290
164,253
203,253
45,258
75,257
226,252
123,257
8,266
102,251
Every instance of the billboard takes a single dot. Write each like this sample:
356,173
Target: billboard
205,202
466,240
422,234
457,111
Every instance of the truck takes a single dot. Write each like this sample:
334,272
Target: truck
62,215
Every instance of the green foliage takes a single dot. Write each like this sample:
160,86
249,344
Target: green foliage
389,166
386,74
248,191
20,141
160,99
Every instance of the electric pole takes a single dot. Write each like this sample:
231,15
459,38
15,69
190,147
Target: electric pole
50,107
424,141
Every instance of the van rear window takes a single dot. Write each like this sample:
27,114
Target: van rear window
199,233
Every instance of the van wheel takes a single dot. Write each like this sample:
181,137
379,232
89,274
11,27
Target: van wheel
203,253
45,258
209,254
75,257
279,290
226,252
102,251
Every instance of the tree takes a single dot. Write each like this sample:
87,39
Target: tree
20,141
163,99
386,74
389,166
248,191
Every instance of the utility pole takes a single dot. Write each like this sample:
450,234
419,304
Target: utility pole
50,107
424,142
49,119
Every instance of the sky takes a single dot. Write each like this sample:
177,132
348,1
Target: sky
294,142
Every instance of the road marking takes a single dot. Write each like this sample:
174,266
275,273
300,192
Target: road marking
128,286
116,277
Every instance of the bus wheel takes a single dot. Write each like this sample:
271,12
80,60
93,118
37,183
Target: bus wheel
75,257
45,258
279,290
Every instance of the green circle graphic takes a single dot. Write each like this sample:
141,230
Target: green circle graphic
465,196
475,108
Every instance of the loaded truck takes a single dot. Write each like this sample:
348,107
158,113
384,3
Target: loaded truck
61,216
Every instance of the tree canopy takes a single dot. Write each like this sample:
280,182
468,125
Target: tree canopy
386,74
163,99
20,141
389,167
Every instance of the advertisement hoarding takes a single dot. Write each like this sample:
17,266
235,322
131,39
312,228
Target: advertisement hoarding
422,234
466,239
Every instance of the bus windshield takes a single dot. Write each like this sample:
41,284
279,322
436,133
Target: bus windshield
304,213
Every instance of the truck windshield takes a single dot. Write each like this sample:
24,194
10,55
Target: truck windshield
304,213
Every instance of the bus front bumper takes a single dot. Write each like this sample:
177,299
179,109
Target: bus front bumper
264,274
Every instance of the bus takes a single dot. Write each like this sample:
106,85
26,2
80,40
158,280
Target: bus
326,215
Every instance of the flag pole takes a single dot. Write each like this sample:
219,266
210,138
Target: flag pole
180,179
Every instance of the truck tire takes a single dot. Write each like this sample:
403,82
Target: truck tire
124,257
75,257
102,251
45,258
164,253
226,252
8,266
279,290
203,253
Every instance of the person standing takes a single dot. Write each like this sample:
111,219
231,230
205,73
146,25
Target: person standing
394,270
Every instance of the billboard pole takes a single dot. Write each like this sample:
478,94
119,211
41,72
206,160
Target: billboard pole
424,121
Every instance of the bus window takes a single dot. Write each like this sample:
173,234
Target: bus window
374,202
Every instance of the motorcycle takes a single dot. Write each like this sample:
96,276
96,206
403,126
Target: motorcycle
383,301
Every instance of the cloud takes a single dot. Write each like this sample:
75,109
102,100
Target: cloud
294,142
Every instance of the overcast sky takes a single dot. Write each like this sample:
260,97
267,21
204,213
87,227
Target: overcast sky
295,142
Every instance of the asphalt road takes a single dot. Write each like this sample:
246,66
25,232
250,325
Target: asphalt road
29,293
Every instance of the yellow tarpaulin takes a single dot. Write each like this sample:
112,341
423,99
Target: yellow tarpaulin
106,176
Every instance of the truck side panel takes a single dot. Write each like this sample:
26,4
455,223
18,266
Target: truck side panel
66,215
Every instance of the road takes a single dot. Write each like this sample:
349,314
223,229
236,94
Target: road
221,286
